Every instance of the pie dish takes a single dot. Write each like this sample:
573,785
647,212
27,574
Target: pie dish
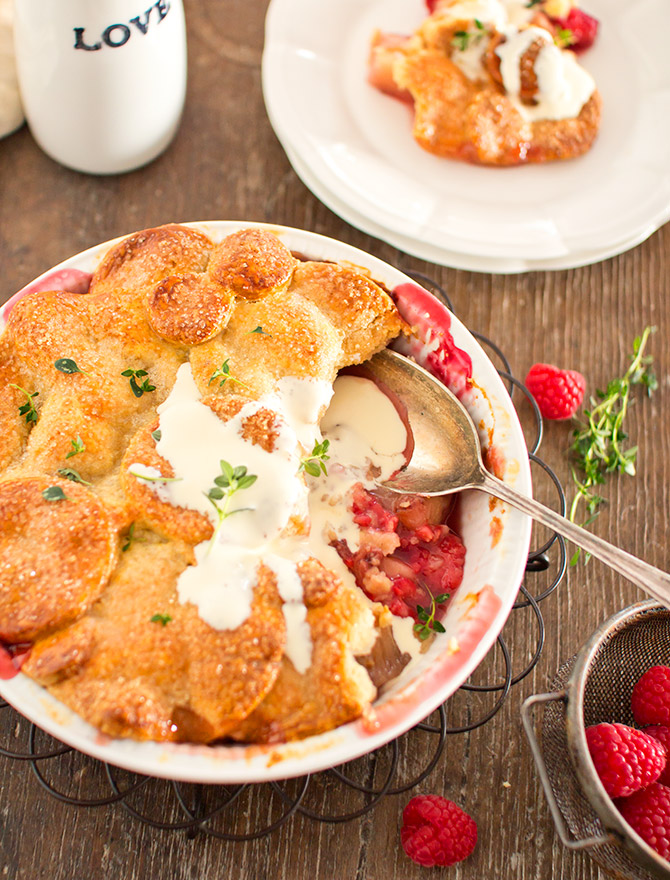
150,638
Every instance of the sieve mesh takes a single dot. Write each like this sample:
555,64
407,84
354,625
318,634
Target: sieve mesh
624,651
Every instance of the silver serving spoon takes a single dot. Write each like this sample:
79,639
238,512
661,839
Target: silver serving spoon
447,458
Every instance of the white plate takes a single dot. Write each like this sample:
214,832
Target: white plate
441,256
496,540
358,144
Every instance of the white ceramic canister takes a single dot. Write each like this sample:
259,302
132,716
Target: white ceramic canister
103,82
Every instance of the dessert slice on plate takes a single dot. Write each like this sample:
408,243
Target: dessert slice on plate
491,82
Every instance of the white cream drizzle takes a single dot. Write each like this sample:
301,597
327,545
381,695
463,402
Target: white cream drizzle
194,440
364,430
563,85
143,473
486,11
518,12
469,60
363,426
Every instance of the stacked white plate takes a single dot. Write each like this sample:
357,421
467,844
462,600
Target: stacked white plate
353,147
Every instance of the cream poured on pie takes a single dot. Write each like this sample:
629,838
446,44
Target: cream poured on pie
192,546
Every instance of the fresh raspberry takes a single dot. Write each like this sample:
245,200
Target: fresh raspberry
650,700
437,832
583,29
662,734
648,813
558,393
625,759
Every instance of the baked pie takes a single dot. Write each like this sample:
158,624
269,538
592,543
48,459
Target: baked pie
192,547
494,82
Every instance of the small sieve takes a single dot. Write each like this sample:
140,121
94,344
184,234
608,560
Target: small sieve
595,686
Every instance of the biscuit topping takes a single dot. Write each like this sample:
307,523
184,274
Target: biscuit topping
367,437
197,443
166,587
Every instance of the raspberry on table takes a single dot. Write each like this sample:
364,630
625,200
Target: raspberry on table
558,393
662,733
650,700
648,813
436,831
625,759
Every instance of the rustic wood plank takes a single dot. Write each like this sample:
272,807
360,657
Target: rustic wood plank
227,163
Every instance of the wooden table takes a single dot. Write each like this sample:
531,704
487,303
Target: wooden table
226,163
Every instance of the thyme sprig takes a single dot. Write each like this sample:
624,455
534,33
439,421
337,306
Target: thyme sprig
69,473
67,365
137,388
598,444
78,446
230,481
156,479
462,39
130,537
223,373
314,464
28,408
564,38
428,623
163,619
259,330
54,493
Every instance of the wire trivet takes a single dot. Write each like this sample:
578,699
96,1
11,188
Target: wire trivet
195,808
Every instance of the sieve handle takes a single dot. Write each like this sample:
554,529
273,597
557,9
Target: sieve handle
559,821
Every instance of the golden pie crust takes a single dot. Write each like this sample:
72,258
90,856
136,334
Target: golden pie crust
90,579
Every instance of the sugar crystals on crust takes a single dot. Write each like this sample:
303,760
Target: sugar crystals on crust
158,612
58,548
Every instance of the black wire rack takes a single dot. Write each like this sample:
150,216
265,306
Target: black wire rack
198,809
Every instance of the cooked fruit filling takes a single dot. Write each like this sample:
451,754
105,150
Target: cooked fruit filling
410,559
401,551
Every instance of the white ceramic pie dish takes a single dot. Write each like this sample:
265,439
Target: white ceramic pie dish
496,539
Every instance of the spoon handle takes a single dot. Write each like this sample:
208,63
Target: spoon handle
651,580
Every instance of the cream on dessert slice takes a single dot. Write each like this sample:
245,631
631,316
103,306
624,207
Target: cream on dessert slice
563,85
367,437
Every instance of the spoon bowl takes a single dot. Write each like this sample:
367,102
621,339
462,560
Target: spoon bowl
447,454
447,458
